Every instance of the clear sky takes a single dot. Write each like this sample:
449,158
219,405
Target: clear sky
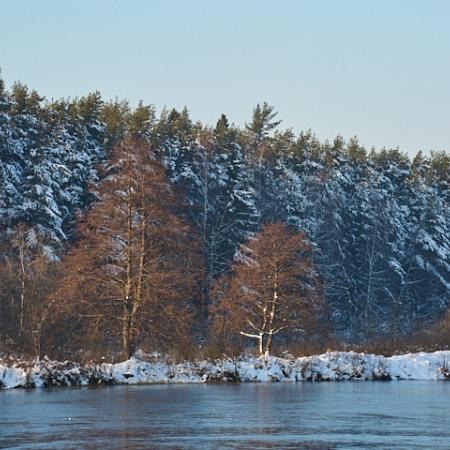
376,69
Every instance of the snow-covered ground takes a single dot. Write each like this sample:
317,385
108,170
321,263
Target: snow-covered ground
332,366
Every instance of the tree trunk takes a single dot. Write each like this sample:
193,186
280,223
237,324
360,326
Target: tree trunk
142,260
128,300
23,276
126,339
37,342
268,344
260,344
273,309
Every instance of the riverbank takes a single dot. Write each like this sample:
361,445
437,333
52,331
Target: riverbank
143,369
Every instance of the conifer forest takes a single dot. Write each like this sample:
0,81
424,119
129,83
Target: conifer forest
122,228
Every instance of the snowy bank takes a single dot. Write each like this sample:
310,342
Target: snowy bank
332,366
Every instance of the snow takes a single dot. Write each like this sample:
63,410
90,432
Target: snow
146,369
11,377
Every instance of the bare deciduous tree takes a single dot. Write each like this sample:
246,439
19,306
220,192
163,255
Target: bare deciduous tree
132,272
272,287
27,278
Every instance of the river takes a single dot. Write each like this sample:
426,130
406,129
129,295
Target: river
333,415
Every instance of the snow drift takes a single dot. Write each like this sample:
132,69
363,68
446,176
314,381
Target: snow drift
142,369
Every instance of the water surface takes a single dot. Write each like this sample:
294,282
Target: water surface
334,415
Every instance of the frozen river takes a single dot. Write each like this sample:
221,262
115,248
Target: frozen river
333,415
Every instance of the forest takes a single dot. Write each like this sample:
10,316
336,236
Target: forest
121,229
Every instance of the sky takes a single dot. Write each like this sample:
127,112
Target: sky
376,69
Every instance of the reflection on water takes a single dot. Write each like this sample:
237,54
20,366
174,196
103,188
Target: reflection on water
346,415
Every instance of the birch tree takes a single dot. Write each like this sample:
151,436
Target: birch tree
27,277
272,288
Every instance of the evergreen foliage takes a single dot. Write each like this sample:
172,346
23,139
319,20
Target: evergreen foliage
378,222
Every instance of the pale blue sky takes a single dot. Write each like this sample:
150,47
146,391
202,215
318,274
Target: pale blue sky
376,69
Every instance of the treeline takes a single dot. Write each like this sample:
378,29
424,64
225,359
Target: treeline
122,229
